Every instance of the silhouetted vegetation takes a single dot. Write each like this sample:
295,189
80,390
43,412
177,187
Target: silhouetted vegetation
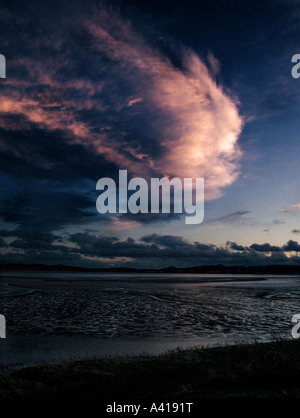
260,370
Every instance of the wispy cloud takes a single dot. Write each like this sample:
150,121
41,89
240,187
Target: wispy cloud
278,222
131,105
197,124
232,217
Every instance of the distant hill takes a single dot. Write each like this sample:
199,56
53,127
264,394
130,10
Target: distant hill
209,269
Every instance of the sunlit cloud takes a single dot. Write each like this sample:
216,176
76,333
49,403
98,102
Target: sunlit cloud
134,101
118,224
189,127
200,126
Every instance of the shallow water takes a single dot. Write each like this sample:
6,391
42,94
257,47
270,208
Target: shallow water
59,316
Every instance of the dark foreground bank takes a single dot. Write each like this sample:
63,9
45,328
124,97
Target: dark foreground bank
260,370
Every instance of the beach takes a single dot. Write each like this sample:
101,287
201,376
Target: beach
88,328
55,317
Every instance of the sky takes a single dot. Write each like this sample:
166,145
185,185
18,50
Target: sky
161,89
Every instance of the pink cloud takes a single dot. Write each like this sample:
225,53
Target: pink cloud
292,209
202,139
119,224
197,127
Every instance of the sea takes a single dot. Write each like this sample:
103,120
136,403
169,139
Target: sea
54,317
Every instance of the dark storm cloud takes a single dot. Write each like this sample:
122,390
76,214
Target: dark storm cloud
92,246
2,242
31,238
149,218
52,256
163,247
88,240
166,247
165,240
89,249
265,247
291,246
43,208
45,154
235,246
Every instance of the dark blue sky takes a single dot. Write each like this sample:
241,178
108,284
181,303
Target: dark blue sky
160,88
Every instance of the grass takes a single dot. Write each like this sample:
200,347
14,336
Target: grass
259,370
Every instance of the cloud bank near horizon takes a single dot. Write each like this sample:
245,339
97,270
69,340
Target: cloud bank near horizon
90,249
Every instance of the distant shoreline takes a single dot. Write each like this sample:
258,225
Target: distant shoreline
205,269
